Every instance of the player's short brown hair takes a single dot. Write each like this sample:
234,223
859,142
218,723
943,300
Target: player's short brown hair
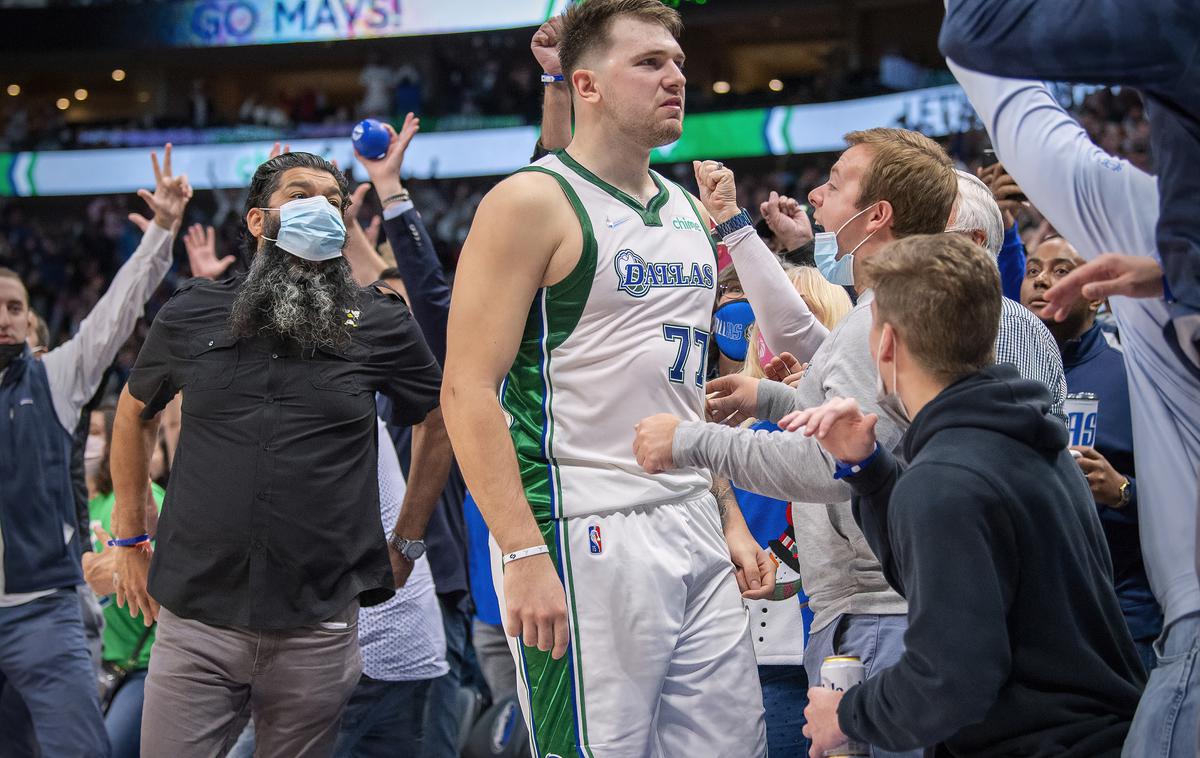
585,26
913,173
941,292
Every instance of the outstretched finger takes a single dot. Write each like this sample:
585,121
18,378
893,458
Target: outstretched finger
166,167
138,220
158,174
1068,289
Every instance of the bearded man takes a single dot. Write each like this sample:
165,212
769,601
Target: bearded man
269,538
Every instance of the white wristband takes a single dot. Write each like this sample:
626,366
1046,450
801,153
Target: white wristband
517,555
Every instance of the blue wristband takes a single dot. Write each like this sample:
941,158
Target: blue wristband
129,541
552,78
843,470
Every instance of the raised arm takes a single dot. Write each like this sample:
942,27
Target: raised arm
76,368
1099,202
783,318
416,260
503,264
556,102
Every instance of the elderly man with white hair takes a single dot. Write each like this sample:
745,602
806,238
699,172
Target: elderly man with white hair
1023,340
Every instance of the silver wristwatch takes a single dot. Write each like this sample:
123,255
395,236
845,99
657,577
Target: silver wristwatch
410,549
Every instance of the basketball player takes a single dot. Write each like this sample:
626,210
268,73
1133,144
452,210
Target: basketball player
583,303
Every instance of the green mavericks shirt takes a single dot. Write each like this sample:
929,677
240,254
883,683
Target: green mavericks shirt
121,631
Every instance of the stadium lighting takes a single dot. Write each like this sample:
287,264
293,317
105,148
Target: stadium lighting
775,85
63,103
14,89
118,75
721,87
81,94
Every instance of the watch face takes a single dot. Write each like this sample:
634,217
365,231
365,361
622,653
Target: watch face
414,550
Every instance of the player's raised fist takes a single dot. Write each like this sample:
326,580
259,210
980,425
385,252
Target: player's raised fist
718,192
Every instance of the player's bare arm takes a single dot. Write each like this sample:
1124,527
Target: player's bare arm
524,237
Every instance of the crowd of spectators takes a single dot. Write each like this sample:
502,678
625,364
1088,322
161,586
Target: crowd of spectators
68,252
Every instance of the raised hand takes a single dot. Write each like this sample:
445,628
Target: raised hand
357,197
278,149
787,219
372,231
171,194
545,45
385,172
201,245
1005,190
718,192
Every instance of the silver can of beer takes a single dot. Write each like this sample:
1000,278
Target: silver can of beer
1082,409
840,673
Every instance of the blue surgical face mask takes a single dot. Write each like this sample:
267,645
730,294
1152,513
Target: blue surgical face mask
730,323
310,228
825,251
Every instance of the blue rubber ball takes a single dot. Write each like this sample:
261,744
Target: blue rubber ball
370,139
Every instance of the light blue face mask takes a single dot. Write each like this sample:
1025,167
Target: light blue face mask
310,228
825,254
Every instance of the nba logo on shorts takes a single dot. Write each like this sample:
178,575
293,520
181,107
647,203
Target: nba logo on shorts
594,544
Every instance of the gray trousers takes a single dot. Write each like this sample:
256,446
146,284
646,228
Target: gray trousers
205,681
877,640
495,659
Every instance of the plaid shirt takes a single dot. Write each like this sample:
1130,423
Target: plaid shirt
1025,342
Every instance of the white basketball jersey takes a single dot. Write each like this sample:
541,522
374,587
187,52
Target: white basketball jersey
624,336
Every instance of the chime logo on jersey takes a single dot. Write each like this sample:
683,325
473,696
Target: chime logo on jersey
637,277
594,543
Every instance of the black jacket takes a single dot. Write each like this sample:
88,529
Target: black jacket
1016,644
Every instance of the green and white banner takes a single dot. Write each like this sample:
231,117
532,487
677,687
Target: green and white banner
784,130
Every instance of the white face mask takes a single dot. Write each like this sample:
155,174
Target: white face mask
889,402
825,250
93,453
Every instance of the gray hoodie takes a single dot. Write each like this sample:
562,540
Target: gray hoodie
840,573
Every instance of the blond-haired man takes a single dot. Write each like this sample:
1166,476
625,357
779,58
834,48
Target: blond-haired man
890,183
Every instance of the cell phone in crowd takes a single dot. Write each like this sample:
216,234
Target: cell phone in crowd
989,159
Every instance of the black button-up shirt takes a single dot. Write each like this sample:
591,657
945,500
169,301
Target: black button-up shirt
271,519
